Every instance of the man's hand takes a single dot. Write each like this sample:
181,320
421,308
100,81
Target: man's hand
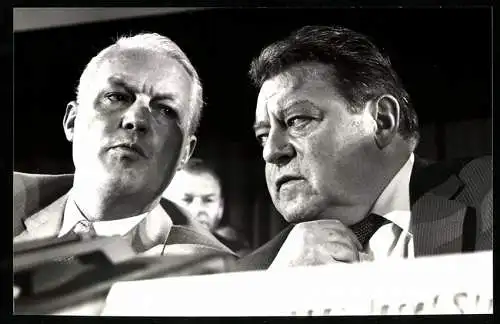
318,242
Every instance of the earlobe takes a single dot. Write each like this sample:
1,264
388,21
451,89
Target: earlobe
220,211
69,120
188,151
386,115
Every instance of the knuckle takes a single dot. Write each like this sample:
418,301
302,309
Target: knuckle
344,252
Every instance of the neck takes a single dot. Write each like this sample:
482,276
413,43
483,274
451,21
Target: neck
380,178
100,203
393,162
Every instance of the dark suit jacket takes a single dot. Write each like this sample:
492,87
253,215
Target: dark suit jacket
39,202
451,205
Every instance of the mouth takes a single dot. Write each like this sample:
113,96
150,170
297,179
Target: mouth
285,179
131,147
203,222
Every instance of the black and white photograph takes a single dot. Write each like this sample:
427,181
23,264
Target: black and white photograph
228,162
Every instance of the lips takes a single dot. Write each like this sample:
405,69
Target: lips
133,147
286,178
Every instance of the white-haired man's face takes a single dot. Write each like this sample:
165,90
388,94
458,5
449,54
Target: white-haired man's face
129,131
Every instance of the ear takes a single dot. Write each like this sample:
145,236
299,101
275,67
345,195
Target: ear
69,120
220,210
385,112
187,151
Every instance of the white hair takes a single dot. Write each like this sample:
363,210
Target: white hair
159,44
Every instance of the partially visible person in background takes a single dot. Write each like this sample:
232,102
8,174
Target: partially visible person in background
198,189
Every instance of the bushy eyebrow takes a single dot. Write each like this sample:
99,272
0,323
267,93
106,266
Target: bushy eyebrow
287,107
261,124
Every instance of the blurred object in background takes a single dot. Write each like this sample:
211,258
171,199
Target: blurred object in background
198,189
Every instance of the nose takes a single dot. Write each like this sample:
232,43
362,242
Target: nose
277,148
137,116
197,206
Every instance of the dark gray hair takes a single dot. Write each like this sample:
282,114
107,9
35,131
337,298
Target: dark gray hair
358,69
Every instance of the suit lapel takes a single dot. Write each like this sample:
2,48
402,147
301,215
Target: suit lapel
264,256
45,223
182,231
437,219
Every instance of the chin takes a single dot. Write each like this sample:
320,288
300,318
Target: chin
301,210
298,212
125,182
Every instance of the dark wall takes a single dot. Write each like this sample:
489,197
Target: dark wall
442,55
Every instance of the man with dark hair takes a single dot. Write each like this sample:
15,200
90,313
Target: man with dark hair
338,132
198,189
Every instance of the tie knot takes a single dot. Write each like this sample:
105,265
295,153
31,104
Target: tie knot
84,228
365,229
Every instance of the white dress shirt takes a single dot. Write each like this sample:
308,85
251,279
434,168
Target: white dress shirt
394,239
72,216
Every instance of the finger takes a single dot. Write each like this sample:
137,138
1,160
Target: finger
344,235
330,224
328,231
340,241
341,252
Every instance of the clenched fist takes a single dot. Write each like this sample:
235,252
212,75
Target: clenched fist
316,243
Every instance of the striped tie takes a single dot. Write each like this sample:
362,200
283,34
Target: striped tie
365,229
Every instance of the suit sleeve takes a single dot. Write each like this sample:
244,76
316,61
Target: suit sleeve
477,176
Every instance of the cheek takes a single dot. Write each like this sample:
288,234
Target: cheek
268,173
322,158
168,140
214,207
88,131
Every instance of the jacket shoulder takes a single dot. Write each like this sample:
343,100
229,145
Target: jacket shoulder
33,192
187,231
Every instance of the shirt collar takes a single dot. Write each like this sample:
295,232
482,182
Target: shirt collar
72,215
394,201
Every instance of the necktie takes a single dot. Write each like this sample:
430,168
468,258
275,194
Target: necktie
365,229
85,229
64,269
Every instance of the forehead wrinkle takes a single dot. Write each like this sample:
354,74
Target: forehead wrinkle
122,80
111,57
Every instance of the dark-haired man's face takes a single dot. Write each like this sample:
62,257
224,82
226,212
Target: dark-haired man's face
317,153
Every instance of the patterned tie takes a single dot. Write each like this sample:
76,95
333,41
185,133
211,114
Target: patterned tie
365,229
84,230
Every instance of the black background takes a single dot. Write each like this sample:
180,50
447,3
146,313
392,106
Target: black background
442,55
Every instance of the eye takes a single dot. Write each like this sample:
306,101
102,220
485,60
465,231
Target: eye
166,110
188,199
298,121
262,138
116,97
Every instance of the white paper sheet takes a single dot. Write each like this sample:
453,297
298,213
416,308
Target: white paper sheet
451,284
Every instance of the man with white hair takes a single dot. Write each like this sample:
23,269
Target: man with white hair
131,127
